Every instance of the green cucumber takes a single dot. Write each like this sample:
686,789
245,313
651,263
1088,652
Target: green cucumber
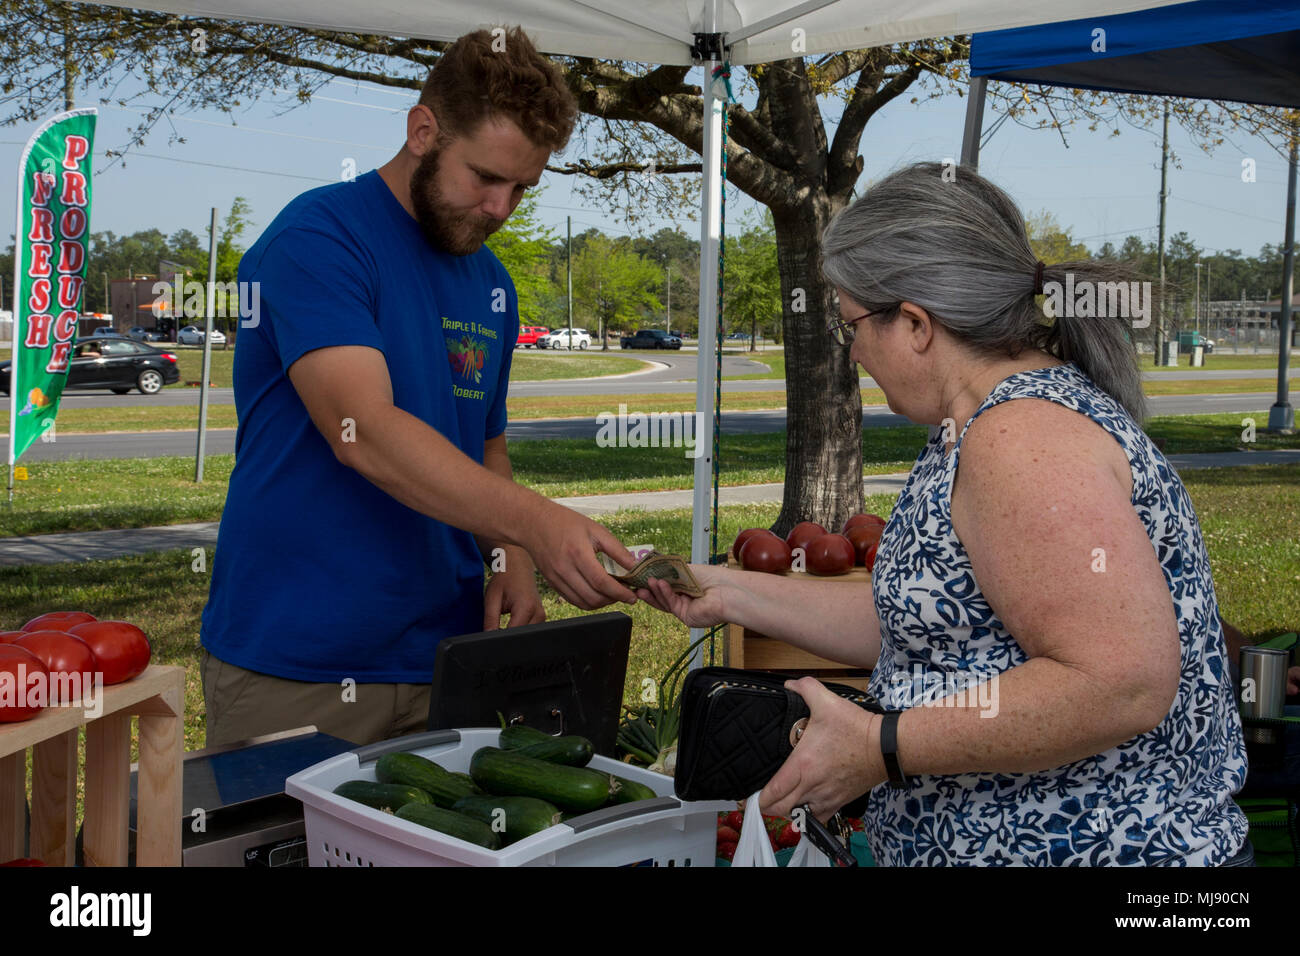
382,796
453,824
521,816
572,751
413,770
630,791
509,773
468,781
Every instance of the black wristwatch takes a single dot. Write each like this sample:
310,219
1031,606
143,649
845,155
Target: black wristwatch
889,748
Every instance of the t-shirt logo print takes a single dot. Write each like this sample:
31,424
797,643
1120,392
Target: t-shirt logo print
467,355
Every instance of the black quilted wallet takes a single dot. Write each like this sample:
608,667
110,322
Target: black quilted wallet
737,728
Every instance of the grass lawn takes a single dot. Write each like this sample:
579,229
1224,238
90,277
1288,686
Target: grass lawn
1225,360
137,492
1248,516
136,418
532,367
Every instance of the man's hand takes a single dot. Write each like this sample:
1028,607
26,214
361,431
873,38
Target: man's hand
514,592
564,543
836,760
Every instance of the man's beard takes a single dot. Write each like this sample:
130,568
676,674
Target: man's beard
456,233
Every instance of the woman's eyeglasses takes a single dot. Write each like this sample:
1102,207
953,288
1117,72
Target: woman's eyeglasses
842,330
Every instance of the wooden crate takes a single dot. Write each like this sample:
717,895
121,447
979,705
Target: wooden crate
749,650
157,698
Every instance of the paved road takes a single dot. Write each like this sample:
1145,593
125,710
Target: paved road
674,373
222,440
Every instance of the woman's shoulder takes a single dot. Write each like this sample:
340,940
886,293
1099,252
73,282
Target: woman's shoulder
1035,437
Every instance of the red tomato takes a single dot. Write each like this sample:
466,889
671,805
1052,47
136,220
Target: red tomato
859,521
8,637
830,554
65,656
21,696
862,538
764,553
58,621
745,536
802,533
121,649
870,561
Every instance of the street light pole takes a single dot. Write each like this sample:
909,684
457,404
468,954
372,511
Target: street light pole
1198,301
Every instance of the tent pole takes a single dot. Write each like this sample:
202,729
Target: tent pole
970,138
706,359
1282,416
210,301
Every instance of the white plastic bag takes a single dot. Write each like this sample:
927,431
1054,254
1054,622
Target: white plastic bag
806,853
754,848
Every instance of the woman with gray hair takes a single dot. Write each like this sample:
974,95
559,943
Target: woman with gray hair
1041,622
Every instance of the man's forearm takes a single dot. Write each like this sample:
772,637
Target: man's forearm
419,467
497,460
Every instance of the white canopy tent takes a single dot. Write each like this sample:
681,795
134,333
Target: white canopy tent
680,32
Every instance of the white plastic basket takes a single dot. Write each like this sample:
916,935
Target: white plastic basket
661,832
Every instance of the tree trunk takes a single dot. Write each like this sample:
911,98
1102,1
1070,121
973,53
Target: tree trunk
753,333
823,450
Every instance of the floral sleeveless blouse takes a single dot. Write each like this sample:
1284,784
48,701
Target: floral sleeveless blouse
1163,797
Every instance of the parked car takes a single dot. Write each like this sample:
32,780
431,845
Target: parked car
117,364
141,334
193,335
560,339
650,339
104,330
529,334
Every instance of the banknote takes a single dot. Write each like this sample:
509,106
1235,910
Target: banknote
669,567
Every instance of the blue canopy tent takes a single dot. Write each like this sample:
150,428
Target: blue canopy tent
1246,51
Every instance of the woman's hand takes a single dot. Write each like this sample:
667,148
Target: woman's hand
836,760
703,611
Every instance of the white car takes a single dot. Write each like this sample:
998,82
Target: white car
193,335
559,339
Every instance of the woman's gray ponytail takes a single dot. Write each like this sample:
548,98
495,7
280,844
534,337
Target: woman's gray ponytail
955,244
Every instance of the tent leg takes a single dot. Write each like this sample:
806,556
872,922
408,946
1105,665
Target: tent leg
710,229
970,137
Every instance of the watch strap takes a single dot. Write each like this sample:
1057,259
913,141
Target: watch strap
889,748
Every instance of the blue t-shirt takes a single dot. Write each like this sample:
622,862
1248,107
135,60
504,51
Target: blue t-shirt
319,575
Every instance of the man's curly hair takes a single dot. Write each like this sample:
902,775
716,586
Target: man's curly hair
472,82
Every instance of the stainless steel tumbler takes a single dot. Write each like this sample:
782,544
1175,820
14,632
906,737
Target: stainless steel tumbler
1263,690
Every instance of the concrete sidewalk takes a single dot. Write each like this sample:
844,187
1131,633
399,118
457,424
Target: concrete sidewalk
102,545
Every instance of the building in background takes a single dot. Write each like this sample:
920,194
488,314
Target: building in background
135,302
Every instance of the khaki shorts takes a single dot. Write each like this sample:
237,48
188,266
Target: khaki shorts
243,703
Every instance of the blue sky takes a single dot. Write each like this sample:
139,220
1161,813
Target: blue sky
1100,186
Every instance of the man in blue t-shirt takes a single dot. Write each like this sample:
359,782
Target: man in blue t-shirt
371,480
